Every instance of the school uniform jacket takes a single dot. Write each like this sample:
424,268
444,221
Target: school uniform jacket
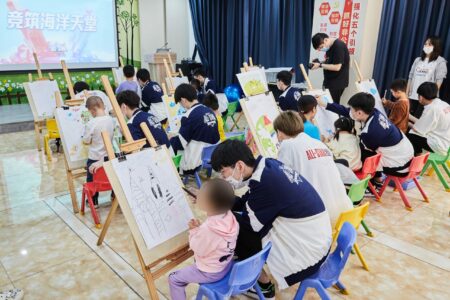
134,124
198,129
289,99
208,86
152,100
286,210
380,135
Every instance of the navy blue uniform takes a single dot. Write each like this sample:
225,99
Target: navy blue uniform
134,124
289,99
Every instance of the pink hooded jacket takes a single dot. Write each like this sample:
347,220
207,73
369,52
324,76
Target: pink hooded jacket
214,242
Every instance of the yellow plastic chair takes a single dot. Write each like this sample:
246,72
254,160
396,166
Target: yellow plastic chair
52,134
353,216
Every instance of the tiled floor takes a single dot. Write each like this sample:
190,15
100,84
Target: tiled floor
51,253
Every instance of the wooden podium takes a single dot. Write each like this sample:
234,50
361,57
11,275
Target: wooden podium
156,65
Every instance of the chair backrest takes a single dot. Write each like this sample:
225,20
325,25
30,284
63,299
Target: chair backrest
448,154
232,107
245,273
417,164
358,189
240,136
345,241
352,216
176,160
207,153
51,125
101,181
371,165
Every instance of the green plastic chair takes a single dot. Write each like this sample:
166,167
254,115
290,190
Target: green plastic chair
232,107
356,194
176,160
435,160
239,136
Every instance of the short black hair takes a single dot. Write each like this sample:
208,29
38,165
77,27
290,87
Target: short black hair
399,85
285,77
210,100
362,101
129,98
344,124
200,71
318,39
428,90
186,91
229,152
80,86
221,194
128,71
143,75
195,83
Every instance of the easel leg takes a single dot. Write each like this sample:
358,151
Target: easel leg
148,276
37,132
73,195
235,123
112,211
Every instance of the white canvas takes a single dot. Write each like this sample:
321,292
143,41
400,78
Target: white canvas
153,192
261,110
253,82
71,123
176,81
369,86
41,96
325,119
174,113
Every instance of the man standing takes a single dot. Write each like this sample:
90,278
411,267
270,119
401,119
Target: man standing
335,66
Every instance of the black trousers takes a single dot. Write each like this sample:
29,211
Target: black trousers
386,170
336,94
415,108
419,143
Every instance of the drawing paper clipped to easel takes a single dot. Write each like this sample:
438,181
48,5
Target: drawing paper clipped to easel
154,194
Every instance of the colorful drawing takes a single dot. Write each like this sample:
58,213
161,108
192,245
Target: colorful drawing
253,82
41,96
369,86
174,112
266,133
324,118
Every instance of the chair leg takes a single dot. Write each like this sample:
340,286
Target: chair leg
342,288
424,195
93,211
385,184
83,202
446,169
374,191
360,256
322,291
197,179
425,168
398,184
441,177
258,291
47,149
185,179
366,228
301,290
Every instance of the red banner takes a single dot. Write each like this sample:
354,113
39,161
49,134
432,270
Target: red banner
344,31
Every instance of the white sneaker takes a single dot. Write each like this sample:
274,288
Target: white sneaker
14,294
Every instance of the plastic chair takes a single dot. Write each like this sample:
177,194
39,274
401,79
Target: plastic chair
369,168
52,134
240,136
435,160
232,107
331,269
356,194
176,160
100,183
415,169
242,277
353,216
206,158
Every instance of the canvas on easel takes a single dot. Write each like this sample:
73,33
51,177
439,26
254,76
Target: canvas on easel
253,82
261,110
174,113
41,96
325,119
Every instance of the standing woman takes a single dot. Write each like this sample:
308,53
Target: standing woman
430,66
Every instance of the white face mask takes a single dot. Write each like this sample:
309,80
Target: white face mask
428,49
352,116
236,184
325,49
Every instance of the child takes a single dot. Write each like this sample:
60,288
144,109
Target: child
92,135
345,144
198,129
400,108
289,99
307,108
81,88
151,96
129,105
212,102
129,84
213,242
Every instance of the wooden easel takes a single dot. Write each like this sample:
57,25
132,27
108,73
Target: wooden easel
173,72
305,75
177,256
169,74
358,71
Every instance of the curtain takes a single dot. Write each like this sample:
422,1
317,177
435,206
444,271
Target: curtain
275,33
404,26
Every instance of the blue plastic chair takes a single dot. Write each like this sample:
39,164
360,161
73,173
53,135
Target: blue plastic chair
331,269
242,277
206,158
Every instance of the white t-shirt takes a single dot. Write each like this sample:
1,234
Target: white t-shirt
347,147
159,111
93,135
105,99
314,161
434,124
423,72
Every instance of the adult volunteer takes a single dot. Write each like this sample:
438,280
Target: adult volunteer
335,66
429,67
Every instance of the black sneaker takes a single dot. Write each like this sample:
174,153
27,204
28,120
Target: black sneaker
268,291
368,194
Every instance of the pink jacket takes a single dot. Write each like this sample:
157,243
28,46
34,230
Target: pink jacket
214,242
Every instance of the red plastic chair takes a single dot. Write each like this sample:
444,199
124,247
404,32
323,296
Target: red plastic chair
100,183
369,168
415,169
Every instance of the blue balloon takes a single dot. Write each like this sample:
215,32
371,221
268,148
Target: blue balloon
233,92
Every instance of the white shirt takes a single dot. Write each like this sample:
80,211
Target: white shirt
434,124
93,135
423,72
314,161
159,111
105,99
347,147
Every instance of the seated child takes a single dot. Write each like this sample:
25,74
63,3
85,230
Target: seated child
81,88
152,95
92,135
129,84
198,129
288,100
307,108
345,144
210,100
196,84
400,108
129,104
213,242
